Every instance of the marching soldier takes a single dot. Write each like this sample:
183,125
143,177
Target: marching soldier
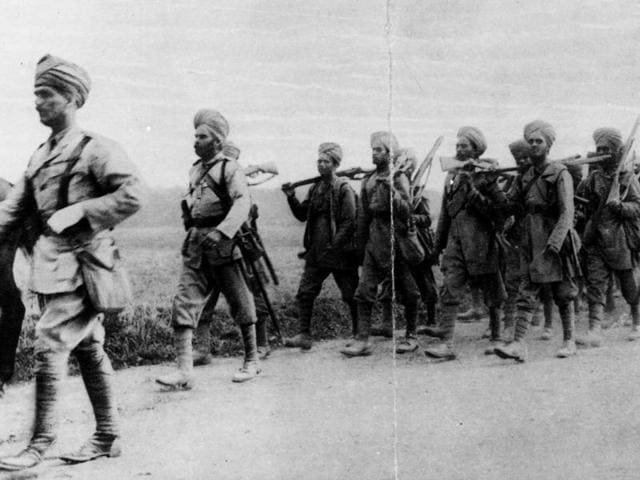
605,240
79,185
202,341
219,204
466,232
544,196
330,213
380,199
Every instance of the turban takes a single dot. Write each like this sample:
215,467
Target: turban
387,139
608,136
475,137
214,121
407,160
519,148
332,151
230,150
63,76
541,127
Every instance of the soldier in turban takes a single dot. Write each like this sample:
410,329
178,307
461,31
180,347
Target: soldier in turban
217,205
543,195
329,210
381,200
102,189
607,246
466,233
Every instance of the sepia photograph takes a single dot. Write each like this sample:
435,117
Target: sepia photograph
365,239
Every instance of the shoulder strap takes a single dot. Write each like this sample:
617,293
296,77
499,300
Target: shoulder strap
63,189
220,189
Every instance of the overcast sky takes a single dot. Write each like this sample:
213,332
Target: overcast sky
289,75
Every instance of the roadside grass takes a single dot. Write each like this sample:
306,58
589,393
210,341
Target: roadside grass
142,334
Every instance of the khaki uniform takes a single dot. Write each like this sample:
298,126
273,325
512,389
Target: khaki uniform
471,207
109,189
373,235
330,213
605,242
545,199
207,269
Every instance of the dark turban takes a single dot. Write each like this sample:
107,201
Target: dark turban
214,121
332,151
543,128
63,76
475,137
608,136
387,139
519,148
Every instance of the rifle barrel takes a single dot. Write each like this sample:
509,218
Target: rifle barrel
355,173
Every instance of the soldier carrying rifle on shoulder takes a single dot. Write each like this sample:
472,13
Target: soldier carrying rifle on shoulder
330,212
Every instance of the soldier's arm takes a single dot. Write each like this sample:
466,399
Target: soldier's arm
119,179
630,207
346,218
402,207
564,191
298,209
488,199
15,208
239,193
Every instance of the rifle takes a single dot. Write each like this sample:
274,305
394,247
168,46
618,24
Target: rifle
486,166
614,192
355,173
417,184
252,251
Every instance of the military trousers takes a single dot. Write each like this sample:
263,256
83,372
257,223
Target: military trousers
314,276
531,293
599,276
196,284
374,274
456,277
425,281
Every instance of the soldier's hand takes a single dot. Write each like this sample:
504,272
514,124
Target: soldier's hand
66,217
288,190
212,239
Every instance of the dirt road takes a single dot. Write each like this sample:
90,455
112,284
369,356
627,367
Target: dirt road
318,415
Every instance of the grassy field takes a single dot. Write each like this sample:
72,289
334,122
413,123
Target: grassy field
142,333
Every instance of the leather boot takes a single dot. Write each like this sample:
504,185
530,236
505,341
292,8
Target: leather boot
593,337
97,375
361,346
409,343
444,350
477,311
50,368
303,338
250,367
385,327
202,354
517,349
567,316
182,379
635,320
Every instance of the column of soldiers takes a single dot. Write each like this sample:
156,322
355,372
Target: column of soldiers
514,246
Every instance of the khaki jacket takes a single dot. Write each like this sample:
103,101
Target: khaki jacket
604,232
204,204
104,182
545,200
